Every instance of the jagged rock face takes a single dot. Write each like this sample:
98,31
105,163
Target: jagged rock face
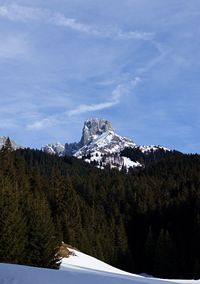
55,149
14,145
94,128
71,148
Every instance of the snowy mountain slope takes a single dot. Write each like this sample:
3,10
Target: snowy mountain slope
101,145
104,147
145,149
107,143
79,260
84,262
77,269
55,149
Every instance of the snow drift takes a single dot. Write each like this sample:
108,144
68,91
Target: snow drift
77,269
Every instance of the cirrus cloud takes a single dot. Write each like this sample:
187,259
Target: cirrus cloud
114,100
15,12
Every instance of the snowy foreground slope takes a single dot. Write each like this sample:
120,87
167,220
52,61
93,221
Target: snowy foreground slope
77,269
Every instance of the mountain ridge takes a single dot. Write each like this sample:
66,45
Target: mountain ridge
101,145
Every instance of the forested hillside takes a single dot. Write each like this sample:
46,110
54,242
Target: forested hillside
146,221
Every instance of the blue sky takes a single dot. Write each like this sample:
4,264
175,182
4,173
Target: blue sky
133,62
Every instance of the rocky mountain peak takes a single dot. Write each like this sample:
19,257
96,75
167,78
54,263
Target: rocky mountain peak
56,149
101,145
14,145
93,128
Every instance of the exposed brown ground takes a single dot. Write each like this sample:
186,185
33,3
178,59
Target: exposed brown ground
63,250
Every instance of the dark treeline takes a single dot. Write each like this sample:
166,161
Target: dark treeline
147,221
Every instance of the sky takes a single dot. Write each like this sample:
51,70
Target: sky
133,62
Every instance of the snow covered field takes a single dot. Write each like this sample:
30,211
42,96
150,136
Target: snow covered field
78,269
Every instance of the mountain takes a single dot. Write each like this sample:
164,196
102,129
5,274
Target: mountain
4,139
101,145
56,149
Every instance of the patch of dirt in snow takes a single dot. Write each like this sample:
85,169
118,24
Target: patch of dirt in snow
66,251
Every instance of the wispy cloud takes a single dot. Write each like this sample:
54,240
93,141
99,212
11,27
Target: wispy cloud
21,13
43,123
53,120
114,100
92,107
163,52
61,20
107,32
140,35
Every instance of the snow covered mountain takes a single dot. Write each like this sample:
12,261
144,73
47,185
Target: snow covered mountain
79,268
101,145
14,145
56,149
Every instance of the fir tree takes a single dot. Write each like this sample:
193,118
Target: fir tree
164,263
42,244
149,251
13,236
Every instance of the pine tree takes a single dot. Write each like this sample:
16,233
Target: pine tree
71,213
149,252
164,262
12,226
42,243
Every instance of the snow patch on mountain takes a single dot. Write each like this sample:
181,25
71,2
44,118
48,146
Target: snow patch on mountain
130,164
55,149
106,143
146,149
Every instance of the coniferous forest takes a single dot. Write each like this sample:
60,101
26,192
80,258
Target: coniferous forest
141,221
